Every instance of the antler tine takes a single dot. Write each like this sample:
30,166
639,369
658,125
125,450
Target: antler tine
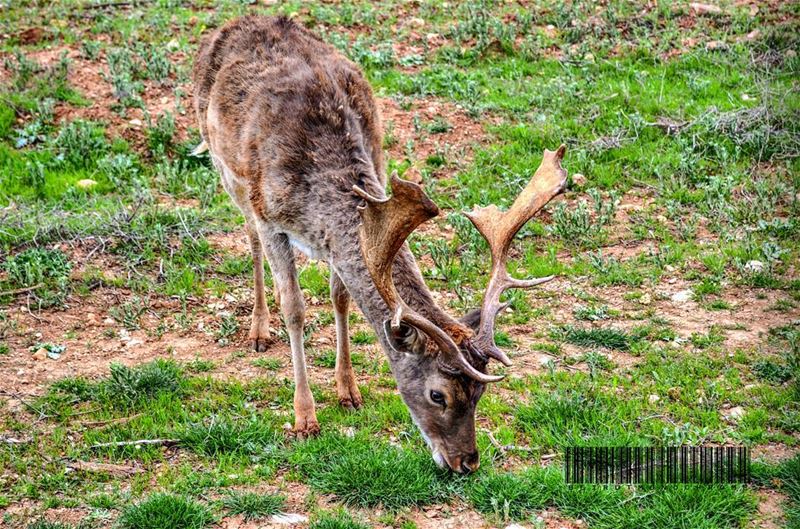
499,228
386,223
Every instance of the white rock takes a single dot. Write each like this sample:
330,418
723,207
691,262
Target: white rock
135,122
734,414
516,526
652,399
544,360
85,183
701,9
288,518
682,296
754,266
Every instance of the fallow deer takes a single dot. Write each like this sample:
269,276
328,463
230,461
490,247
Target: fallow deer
293,129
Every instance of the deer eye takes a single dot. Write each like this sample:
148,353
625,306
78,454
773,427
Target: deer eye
437,397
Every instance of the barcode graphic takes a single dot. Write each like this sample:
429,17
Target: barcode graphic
657,465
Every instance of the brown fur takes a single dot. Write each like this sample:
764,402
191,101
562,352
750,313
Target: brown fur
293,126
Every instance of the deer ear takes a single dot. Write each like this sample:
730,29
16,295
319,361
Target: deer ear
472,319
405,338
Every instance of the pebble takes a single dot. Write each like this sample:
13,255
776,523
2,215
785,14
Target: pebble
682,296
754,266
735,413
85,183
41,354
652,399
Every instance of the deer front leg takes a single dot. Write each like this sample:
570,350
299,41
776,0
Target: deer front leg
346,388
259,327
284,274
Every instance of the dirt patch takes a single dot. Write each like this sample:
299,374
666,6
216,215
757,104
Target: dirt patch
770,510
434,127
90,79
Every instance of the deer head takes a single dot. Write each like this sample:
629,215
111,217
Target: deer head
441,371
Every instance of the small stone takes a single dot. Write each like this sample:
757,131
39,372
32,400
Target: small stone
790,54
682,296
109,321
705,9
40,355
753,35
645,299
746,97
416,22
288,518
515,526
716,45
652,399
578,180
134,342
754,267
85,183
135,122
734,414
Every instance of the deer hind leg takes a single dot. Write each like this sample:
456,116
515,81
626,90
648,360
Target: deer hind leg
284,273
346,387
259,327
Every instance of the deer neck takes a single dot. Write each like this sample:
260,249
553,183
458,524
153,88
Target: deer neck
410,286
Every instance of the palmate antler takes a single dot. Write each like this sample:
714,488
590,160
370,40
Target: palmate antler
499,228
387,223
385,226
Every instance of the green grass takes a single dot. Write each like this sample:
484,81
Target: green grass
166,511
362,473
508,496
336,520
689,163
132,385
593,337
253,506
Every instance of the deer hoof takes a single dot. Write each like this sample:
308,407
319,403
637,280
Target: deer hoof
351,402
350,398
306,429
260,345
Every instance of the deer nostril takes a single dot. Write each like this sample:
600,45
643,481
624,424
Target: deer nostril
470,463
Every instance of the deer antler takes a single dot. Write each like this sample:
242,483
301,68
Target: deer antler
499,228
385,225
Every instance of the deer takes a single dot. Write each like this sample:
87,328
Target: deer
292,127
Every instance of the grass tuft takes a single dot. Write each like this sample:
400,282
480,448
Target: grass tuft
593,337
253,505
337,520
166,511
364,473
131,384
